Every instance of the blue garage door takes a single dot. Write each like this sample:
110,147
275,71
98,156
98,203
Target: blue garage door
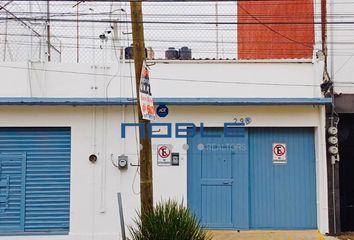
233,182
34,179
282,196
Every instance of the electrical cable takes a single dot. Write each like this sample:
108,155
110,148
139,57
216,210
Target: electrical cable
196,49
272,30
172,79
183,80
178,22
137,143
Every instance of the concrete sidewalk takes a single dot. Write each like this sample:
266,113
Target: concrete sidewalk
269,235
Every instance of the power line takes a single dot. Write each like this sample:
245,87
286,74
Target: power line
173,15
274,31
2,7
176,22
153,39
167,1
182,80
167,79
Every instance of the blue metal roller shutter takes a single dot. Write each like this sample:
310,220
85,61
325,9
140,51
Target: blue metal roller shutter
47,185
12,191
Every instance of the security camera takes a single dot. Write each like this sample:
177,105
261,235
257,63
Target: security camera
103,37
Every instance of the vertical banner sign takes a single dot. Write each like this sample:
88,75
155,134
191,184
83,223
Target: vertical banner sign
146,101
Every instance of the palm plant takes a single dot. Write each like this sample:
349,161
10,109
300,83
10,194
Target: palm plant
168,221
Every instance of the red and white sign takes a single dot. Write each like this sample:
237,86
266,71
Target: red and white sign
279,153
164,154
145,96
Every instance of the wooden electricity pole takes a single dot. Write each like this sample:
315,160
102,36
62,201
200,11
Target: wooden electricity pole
146,188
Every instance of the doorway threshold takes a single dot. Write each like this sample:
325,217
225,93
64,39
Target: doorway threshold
267,235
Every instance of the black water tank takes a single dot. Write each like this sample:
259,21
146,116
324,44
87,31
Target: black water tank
129,53
171,53
185,53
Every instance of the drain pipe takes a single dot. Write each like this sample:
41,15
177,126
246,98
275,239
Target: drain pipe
121,215
333,164
331,37
333,120
327,90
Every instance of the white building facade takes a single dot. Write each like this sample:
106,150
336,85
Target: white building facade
54,116
254,158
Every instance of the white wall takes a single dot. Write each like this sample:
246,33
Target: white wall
341,51
94,210
168,79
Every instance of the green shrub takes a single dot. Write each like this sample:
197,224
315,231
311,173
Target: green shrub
168,221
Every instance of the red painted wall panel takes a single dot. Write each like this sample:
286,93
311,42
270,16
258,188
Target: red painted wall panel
282,29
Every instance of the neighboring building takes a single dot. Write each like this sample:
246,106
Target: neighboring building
340,177
270,174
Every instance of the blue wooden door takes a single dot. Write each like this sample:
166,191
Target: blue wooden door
233,182
282,196
218,178
12,191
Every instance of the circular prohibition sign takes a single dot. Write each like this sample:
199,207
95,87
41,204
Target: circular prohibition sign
279,150
164,152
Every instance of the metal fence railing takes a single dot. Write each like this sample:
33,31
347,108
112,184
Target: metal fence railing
99,31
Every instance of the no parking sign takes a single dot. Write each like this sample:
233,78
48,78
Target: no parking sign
279,153
164,154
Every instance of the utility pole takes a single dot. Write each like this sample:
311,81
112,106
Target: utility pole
146,188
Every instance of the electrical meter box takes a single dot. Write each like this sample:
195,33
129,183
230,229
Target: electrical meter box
123,162
175,159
